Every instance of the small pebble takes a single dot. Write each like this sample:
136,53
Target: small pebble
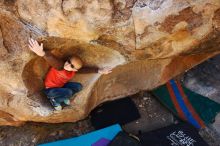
140,105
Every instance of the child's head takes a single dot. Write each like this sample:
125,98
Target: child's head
73,64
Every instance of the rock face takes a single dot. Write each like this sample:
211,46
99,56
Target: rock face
147,42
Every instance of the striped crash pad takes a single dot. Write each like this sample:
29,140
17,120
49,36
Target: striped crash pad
100,137
187,105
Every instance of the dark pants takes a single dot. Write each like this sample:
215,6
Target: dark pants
58,95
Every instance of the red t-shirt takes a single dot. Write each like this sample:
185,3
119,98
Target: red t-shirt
57,78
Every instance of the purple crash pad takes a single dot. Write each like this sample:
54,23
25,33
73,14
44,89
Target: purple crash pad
101,142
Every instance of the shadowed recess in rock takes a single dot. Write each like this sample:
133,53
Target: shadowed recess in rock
92,55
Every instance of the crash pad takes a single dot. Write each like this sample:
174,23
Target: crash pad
186,104
91,139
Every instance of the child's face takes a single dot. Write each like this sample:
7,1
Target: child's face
71,65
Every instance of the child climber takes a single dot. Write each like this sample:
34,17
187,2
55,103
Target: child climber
57,86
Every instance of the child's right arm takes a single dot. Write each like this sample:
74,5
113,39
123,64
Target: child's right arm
49,57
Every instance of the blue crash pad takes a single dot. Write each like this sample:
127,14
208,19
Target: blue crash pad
88,139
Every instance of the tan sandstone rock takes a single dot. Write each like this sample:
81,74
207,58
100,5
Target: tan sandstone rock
147,42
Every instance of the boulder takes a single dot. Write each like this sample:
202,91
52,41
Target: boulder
146,42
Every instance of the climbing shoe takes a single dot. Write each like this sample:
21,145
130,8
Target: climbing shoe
56,105
58,108
67,101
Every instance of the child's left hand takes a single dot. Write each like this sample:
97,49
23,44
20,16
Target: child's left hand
105,70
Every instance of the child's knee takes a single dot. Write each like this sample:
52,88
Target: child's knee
79,87
69,92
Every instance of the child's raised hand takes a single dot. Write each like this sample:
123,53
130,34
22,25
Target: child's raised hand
35,47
